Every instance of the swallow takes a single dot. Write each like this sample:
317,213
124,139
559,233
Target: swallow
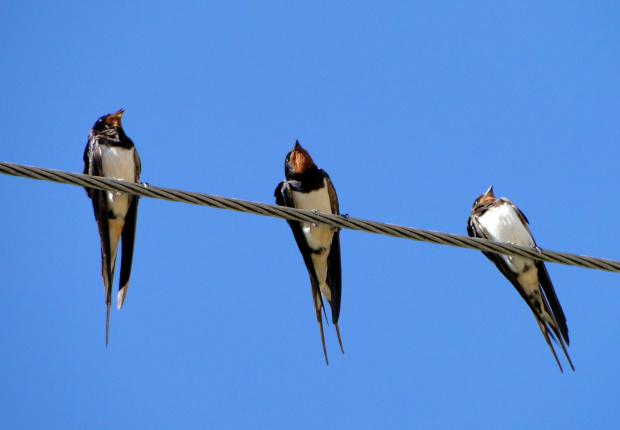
111,154
501,221
308,187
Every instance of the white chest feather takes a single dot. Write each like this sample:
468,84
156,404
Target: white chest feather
503,224
317,236
315,200
118,163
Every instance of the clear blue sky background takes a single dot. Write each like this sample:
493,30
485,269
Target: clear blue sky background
414,109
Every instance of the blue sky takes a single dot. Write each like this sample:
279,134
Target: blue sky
414,109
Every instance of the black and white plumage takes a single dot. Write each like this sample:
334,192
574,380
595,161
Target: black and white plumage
308,187
111,154
500,220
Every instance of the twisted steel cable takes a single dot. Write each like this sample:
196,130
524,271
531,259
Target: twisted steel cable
342,221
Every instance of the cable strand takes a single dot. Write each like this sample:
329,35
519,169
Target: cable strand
340,221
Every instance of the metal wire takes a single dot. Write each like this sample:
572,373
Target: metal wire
341,221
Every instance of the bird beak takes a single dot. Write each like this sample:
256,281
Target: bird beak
489,192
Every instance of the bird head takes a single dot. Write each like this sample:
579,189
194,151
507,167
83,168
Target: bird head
298,161
109,124
488,196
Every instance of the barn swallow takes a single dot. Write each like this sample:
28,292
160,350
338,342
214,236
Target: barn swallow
308,187
500,220
111,154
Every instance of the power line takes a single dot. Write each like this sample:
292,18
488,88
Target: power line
145,190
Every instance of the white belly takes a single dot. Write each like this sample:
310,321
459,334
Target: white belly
315,200
318,236
504,225
118,163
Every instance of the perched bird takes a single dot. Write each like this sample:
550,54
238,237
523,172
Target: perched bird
111,154
500,220
308,187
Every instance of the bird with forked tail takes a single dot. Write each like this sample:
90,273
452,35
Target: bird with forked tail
308,187
111,154
500,220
